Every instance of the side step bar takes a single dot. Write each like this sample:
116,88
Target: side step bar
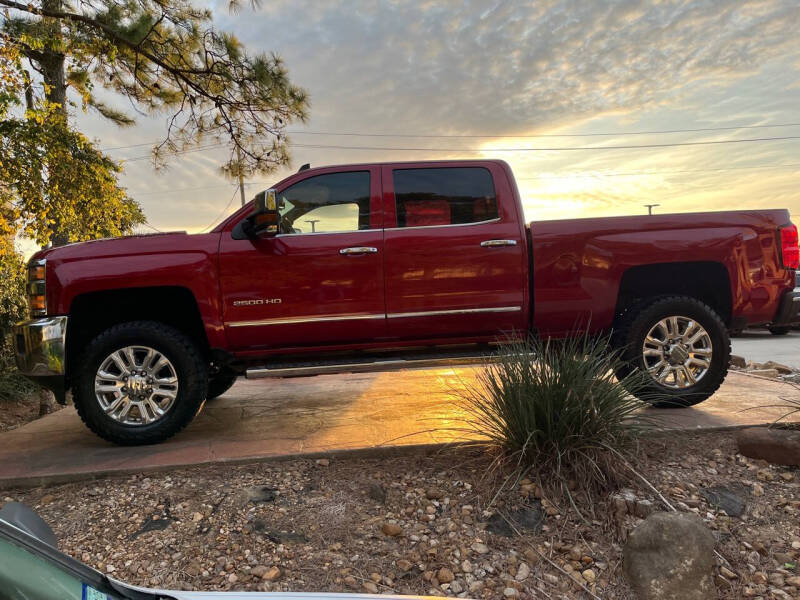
372,366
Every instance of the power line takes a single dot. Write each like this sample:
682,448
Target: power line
554,149
189,151
190,189
544,135
495,136
537,177
224,210
131,146
542,149
147,224
635,173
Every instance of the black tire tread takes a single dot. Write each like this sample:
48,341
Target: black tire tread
136,437
779,330
630,321
220,383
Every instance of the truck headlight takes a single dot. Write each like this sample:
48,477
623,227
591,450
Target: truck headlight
37,299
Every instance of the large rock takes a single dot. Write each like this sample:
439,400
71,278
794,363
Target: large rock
779,446
670,556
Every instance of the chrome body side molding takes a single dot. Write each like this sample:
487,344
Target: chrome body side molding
361,317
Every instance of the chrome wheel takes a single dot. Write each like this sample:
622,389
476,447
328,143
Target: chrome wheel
677,352
136,385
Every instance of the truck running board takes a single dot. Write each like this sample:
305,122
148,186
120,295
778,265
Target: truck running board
364,366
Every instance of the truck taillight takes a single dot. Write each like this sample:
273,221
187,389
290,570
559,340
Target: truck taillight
37,300
790,252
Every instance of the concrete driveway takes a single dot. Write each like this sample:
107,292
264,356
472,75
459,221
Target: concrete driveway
270,418
759,345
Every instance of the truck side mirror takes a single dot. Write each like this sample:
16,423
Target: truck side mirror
264,220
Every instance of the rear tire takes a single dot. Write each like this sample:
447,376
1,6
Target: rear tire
105,383
779,330
678,388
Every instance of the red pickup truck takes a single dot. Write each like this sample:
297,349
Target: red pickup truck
386,266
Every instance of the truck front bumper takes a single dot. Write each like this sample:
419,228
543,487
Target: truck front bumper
40,350
789,310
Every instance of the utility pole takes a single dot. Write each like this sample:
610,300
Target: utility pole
239,169
313,224
650,208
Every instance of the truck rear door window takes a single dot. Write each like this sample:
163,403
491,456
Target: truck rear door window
444,196
336,202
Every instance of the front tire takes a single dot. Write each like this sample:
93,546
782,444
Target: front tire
220,383
140,383
681,344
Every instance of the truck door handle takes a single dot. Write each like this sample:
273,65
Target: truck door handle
495,243
359,250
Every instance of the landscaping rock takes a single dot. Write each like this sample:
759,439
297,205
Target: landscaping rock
770,373
445,575
778,446
525,519
282,537
377,492
404,565
782,369
391,529
670,556
738,361
434,494
725,499
480,548
261,493
272,574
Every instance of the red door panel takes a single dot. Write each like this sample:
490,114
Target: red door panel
301,289
453,280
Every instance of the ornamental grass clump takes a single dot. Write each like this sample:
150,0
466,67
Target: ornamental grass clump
553,411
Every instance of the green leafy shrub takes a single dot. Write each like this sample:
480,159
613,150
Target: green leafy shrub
554,410
12,309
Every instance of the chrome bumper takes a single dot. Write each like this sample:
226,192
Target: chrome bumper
40,350
39,346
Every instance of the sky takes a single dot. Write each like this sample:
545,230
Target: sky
534,83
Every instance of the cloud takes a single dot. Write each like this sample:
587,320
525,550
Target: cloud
508,67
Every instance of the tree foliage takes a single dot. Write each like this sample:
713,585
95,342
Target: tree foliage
54,184
163,56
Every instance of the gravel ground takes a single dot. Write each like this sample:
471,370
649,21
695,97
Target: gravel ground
419,525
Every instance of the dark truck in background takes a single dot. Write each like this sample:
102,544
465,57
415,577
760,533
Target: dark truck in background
386,266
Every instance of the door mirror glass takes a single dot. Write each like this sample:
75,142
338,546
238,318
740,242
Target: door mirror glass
265,220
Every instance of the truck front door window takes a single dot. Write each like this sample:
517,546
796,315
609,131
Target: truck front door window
334,203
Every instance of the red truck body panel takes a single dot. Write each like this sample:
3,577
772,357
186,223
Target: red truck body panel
432,271
172,259
258,297
579,262
314,282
